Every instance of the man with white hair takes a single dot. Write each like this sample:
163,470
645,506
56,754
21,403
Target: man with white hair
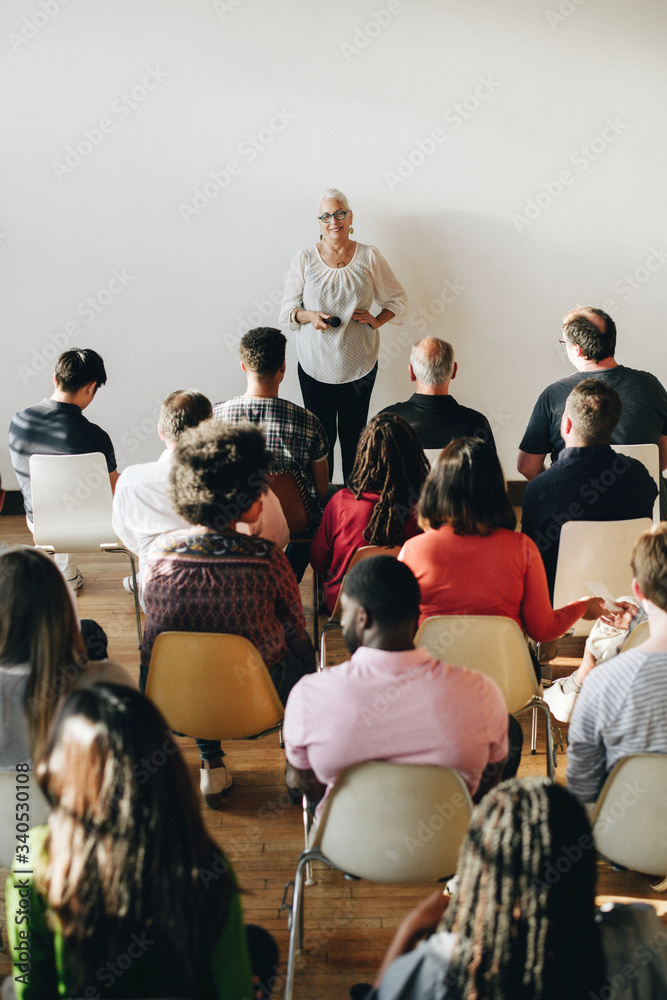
436,416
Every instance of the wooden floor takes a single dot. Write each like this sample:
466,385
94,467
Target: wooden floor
348,925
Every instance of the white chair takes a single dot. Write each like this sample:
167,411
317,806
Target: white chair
495,646
629,819
432,454
23,806
639,634
72,500
391,823
648,455
595,551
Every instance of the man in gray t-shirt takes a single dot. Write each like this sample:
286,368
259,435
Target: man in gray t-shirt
589,336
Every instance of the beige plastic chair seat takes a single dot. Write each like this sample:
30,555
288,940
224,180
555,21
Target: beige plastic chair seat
595,551
648,455
629,819
72,503
213,686
639,634
496,647
392,823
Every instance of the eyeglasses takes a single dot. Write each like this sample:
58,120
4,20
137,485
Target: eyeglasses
328,216
564,341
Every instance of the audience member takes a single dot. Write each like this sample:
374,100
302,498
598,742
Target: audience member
622,707
391,701
378,505
125,867
57,426
435,415
142,509
589,336
210,578
523,922
589,481
470,560
42,652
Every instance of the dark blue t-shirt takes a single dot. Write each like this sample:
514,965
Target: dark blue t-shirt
53,428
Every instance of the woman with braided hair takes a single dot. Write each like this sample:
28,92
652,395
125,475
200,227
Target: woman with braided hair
523,924
378,505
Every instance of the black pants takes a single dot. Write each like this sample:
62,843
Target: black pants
343,410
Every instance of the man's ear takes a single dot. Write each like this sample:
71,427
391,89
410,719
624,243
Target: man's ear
412,373
454,370
637,591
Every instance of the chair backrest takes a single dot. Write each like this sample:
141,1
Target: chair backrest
432,454
212,685
72,501
395,822
648,455
595,551
629,819
639,634
489,643
365,552
292,491
15,793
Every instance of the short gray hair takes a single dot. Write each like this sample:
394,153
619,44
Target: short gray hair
432,361
182,409
337,196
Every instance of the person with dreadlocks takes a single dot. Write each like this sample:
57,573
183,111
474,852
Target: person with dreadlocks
522,924
378,505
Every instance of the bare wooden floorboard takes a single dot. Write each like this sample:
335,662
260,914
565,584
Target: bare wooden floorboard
348,925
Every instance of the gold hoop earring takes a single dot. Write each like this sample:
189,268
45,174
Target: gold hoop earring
351,230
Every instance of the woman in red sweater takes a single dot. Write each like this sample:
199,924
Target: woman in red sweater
471,560
378,505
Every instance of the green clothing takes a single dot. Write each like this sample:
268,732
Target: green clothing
46,977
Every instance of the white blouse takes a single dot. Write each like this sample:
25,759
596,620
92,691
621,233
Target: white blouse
348,352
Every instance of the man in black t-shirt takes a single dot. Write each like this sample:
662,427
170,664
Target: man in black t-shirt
435,415
57,426
589,337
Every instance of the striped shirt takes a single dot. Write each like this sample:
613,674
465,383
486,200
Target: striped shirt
622,709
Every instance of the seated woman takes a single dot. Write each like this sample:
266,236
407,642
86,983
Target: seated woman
513,931
211,578
42,652
470,560
130,896
378,505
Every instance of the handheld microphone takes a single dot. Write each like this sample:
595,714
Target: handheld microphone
333,321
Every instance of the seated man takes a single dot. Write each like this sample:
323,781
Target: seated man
391,701
589,337
622,707
142,509
435,415
57,426
589,481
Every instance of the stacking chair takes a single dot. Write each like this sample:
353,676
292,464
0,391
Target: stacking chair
391,823
639,634
213,685
648,455
365,552
629,819
72,500
595,551
495,646
23,802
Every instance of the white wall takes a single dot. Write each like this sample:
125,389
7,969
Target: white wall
340,93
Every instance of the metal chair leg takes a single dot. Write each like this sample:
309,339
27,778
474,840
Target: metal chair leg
542,705
135,587
306,831
533,733
323,640
296,926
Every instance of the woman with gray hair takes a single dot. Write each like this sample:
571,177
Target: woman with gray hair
329,293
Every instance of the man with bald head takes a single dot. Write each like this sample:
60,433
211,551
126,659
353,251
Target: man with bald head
435,415
589,337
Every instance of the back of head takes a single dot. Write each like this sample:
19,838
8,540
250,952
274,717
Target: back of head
390,461
79,367
594,409
386,587
262,351
38,625
649,564
596,339
218,472
432,361
466,489
182,409
126,840
524,910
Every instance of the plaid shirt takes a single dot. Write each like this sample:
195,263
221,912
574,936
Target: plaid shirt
294,434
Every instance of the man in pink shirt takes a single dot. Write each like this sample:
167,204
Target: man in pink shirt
391,701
